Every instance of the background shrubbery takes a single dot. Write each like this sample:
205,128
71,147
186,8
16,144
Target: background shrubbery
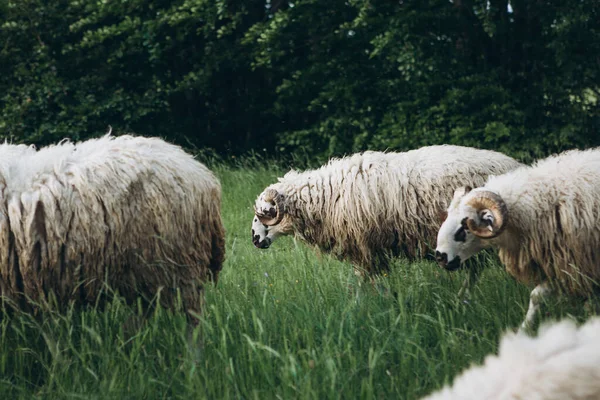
305,77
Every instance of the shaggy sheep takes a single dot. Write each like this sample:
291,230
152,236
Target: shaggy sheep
368,206
545,219
132,214
563,362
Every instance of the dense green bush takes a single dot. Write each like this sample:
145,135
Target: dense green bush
174,69
403,74
304,77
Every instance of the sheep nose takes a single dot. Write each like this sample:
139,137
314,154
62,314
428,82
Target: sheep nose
261,244
441,258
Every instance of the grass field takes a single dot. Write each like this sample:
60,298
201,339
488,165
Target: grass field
282,324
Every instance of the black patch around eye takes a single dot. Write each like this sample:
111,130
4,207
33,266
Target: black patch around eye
460,235
266,226
463,223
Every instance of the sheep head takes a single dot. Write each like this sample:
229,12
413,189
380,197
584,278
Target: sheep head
269,218
473,217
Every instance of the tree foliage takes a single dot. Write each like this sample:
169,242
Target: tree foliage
171,68
309,76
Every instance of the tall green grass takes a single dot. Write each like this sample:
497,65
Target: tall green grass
282,323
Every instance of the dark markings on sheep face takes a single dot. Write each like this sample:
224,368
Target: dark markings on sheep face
272,212
461,233
454,264
463,223
264,244
266,226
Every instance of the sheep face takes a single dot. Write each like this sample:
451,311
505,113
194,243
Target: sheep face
270,220
263,235
474,217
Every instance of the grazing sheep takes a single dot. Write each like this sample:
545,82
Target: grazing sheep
545,219
563,362
368,206
133,214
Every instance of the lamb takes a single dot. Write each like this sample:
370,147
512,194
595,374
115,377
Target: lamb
544,219
563,362
372,205
135,215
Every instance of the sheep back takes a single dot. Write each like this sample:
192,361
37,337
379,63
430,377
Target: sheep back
131,214
370,205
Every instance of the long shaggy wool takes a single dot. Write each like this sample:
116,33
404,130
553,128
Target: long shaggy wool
368,206
553,230
563,362
136,215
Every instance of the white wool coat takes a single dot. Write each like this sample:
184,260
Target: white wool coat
562,363
131,214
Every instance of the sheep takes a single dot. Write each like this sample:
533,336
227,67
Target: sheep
544,219
131,214
372,205
563,362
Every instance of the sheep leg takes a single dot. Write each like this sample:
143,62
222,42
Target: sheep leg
538,295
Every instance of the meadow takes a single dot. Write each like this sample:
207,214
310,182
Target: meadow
283,323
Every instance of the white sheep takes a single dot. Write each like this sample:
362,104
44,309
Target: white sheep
545,220
563,362
369,206
136,215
